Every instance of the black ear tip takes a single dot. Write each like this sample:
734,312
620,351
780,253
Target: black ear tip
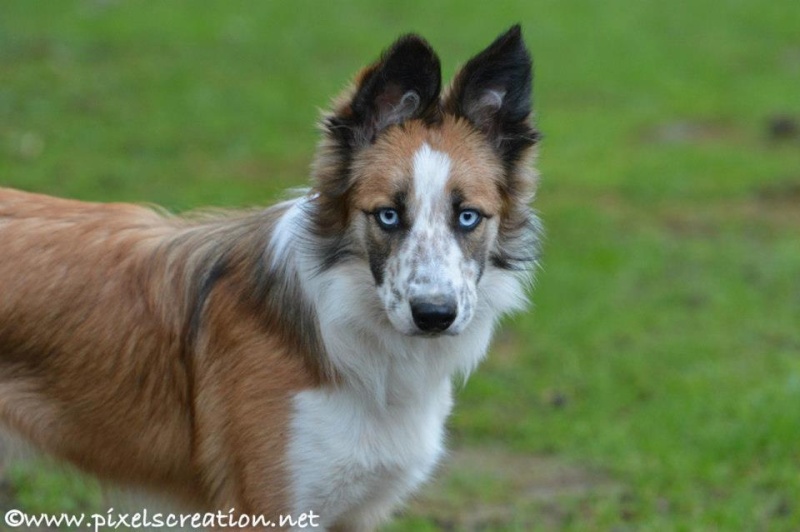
512,38
413,45
515,31
412,62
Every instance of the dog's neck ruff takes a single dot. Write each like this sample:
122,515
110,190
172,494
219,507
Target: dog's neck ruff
363,350
375,432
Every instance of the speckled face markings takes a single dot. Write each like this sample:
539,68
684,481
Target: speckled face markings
430,266
428,175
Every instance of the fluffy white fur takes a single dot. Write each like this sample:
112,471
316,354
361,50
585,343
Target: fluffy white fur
358,449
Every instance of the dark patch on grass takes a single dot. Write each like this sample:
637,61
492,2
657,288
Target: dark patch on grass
689,130
778,192
491,488
783,127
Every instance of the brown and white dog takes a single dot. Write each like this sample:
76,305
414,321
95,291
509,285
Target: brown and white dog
294,358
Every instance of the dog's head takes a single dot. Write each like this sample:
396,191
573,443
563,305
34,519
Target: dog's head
431,191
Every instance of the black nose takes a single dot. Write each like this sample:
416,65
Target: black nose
433,317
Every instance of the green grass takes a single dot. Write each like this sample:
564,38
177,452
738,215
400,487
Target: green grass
667,307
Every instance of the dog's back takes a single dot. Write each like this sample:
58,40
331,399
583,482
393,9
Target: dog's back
79,332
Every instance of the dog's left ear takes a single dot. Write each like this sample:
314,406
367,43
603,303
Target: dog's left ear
493,92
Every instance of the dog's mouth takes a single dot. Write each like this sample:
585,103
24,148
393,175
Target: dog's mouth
424,334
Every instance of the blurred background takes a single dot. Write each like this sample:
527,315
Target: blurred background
655,384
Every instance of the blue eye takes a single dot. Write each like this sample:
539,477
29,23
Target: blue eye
469,219
388,218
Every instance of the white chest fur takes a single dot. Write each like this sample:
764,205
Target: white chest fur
353,461
359,447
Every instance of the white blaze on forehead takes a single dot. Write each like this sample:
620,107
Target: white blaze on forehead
431,172
430,265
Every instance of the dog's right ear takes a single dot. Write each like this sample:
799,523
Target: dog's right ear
404,84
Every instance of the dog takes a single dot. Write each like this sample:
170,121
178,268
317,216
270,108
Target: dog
295,358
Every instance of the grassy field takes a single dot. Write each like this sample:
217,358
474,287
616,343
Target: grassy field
656,382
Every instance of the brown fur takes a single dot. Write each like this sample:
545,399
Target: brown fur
387,167
99,364
385,171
